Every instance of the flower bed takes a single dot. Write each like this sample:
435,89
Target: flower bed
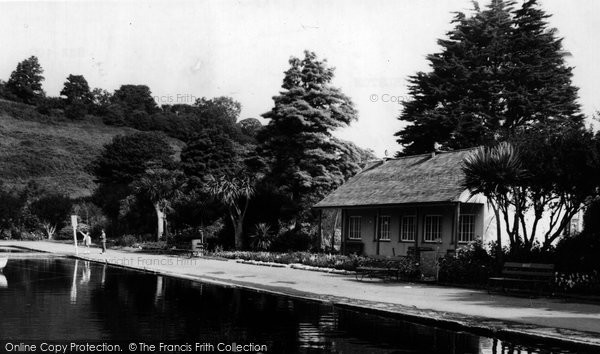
407,266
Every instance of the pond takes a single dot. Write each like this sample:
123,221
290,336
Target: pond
59,299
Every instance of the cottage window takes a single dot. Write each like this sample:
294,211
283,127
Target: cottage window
466,228
432,229
384,228
354,229
407,228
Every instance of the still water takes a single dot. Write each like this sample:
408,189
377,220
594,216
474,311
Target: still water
67,299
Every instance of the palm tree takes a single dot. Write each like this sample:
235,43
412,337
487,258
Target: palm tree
161,187
495,172
235,193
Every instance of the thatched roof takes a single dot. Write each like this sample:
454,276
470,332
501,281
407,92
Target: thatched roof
410,179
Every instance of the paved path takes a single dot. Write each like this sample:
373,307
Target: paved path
549,318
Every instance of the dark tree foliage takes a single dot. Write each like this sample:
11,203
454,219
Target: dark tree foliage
123,161
76,90
224,108
10,208
127,157
304,158
135,98
26,81
250,126
210,153
498,70
52,210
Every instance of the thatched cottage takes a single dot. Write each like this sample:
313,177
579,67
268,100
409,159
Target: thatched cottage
396,206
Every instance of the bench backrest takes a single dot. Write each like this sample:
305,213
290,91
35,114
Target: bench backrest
529,270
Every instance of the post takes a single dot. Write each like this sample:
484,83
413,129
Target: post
456,228
377,231
342,240
74,225
320,229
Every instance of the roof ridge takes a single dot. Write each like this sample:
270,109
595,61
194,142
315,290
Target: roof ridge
429,153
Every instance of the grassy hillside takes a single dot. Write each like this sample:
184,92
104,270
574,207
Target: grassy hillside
51,149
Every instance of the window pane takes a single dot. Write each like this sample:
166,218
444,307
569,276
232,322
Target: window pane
354,228
466,228
384,227
432,228
407,231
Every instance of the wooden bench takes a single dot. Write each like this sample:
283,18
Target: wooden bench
389,269
535,277
196,249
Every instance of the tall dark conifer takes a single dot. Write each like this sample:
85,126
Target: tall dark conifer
304,157
498,70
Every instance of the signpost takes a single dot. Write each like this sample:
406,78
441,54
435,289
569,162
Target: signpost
74,224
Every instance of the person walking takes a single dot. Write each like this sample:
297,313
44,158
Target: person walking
103,240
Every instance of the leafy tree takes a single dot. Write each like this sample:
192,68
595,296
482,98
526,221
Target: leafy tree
298,141
210,153
123,161
127,157
250,126
52,210
235,193
100,100
224,108
498,70
135,98
26,81
76,90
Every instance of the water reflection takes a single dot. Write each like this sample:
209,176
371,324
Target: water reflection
74,283
3,280
92,301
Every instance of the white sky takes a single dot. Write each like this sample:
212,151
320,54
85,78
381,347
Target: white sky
188,49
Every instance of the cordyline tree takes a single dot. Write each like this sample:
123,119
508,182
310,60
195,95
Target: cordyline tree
546,173
304,158
499,69
161,187
235,193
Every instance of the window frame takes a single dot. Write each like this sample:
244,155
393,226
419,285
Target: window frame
439,228
352,230
461,229
380,228
414,228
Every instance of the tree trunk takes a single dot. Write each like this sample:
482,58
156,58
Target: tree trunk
333,229
238,232
49,230
160,218
499,254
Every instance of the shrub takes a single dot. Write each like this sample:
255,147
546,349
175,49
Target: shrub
127,241
470,265
579,253
262,237
76,111
293,240
582,283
